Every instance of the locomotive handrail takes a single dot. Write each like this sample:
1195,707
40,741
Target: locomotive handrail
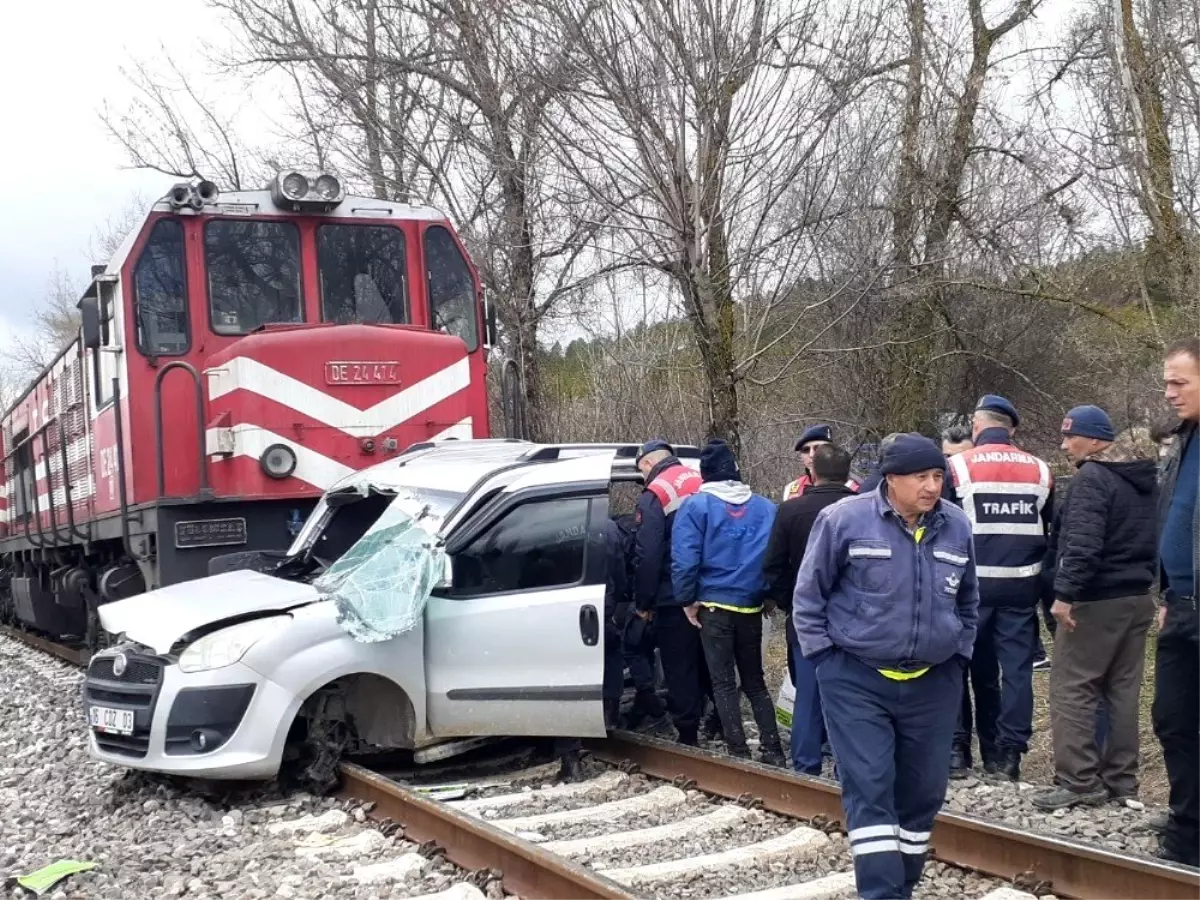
158,429
120,436
49,485
37,515
62,446
72,531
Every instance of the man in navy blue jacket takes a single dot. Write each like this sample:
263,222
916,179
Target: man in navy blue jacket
668,484
717,550
1007,494
886,606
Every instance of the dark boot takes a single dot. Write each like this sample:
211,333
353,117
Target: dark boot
689,738
1158,822
711,728
612,713
1008,766
773,757
571,769
960,761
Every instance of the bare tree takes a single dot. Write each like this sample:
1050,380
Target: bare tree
708,136
1132,66
169,126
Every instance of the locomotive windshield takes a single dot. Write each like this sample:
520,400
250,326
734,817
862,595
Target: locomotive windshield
362,274
451,288
253,274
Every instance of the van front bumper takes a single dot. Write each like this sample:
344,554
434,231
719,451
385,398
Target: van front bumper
221,724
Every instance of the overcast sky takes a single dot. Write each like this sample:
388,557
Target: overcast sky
62,175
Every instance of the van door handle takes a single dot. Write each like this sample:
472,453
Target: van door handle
589,625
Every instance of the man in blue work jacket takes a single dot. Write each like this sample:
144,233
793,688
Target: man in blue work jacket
885,607
717,550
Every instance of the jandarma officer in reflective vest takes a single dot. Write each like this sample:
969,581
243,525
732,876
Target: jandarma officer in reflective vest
814,436
668,483
885,607
1006,493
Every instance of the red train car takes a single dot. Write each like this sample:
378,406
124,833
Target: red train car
239,354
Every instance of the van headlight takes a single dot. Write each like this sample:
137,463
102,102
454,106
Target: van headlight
227,646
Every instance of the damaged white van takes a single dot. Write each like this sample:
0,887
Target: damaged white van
454,592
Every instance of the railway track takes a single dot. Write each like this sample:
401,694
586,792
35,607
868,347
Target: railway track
486,833
479,833
74,655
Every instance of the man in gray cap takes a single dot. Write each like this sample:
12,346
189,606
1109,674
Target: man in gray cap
1105,560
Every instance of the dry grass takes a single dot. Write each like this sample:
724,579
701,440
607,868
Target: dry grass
1038,765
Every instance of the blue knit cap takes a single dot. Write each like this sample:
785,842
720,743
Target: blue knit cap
1090,422
717,462
911,453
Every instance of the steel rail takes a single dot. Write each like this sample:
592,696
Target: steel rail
1072,869
70,654
474,844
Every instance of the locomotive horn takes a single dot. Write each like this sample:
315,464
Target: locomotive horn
179,194
194,200
207,192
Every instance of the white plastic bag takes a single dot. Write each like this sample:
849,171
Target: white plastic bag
786,701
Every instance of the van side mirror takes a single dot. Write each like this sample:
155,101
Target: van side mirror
89,314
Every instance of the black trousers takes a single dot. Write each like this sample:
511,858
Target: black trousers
733,648
1176,714
682,662
614,673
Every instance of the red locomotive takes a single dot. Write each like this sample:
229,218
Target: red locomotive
239,354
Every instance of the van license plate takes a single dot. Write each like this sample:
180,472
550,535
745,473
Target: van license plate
112,721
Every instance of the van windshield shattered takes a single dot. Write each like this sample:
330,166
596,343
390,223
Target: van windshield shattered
380,582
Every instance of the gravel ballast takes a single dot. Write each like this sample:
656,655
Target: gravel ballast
154,838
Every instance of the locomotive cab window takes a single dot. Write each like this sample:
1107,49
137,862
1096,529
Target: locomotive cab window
253,274
451,287
160,294
362,274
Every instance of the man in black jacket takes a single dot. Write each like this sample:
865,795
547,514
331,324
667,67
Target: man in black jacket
1106,560
1177,662
789,537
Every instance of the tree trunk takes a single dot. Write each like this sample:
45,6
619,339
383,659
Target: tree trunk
1168,262
904,218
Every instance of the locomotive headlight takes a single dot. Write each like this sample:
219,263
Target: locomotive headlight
311,192
327,187
294,186
278,461
227,646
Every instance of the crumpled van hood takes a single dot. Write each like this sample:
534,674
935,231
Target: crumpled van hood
161,617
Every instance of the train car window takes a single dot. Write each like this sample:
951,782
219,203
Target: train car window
362,274
540,544
160,295
451,288
253,274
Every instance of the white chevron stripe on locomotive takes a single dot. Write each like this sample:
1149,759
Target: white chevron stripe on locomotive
312,466
242,373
